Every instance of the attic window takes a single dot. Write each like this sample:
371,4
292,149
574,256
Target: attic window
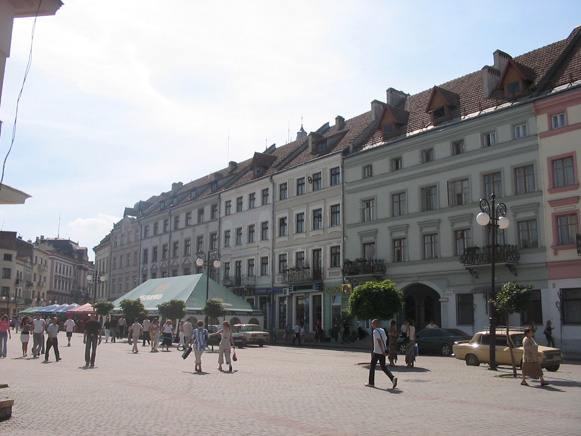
193,194
439,112
257,171
513,88
322,146
388,128
214,186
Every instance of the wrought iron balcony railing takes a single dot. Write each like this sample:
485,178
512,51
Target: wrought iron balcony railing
363,267
306,274
483,255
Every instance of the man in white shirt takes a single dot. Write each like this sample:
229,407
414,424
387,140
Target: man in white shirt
69,327
146,324
38,326
379,353
188,328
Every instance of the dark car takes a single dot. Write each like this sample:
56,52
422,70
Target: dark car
436,340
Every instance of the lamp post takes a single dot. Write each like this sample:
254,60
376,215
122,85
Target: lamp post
211,258
492,215
7,297
96,278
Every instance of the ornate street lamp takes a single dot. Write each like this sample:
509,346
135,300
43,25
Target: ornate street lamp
212,258
96,278
492,215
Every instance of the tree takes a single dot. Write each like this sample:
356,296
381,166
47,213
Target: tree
132,309
103,308
512,298
375,300
172,309
214,309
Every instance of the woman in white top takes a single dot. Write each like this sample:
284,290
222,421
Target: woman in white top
410,357
167,333
226,345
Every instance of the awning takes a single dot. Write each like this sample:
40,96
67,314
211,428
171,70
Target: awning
85,308
30,310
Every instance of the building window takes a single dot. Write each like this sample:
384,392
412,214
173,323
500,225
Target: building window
264,231
458,192
335,256
335,176
465,309
251,231
566,229
166,225
283,191
427,155
571,306
492,184
558,121
265,197
187,247
317,182
226,270
528,235
282,263
214,211
164,253
368,210
155,231
400,250
239,202
176,222
264,266
213,241
6,273
238,269
430,246
228,207
300,259
457,147
534,311
520,131
513,88
145,231
250,267
226,238
335,215
396,163
300,223
398,204
367,171
200,243
563,174
175,250
429,198
462,241
283,226
238,239
188,218
524,179
488,139
368,249
251,200
301,186
317,219
200,215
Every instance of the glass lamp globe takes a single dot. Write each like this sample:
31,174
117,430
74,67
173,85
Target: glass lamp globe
503,222
200,261
482,218
217,264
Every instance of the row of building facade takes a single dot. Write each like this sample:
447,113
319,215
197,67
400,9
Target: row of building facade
389,194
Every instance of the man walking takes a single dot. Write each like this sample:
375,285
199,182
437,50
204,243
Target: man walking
200,339
188,329
92,334
38,325
52,340
69,327
135,331
146,324
379,353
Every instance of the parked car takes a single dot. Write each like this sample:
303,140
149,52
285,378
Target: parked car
239,340
253,334
477,350
436,340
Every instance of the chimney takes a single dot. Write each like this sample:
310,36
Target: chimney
490,77
339,122
500,60
176,187
232,166
376,110
395,97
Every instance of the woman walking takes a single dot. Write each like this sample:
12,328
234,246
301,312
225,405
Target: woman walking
4,335
392,342
530,365
226,345
549,334
25,335
410,332
154,335
167,333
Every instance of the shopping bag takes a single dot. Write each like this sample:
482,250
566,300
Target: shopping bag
234,357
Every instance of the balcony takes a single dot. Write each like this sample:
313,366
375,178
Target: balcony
232,282
504,254
358,267
248,281
579,244
303,274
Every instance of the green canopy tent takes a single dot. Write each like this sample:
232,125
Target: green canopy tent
30,311
192,290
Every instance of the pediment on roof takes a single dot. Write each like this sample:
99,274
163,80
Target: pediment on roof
261,162
393,121
443,104
515,79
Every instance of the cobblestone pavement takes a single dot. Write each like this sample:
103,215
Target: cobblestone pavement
276,391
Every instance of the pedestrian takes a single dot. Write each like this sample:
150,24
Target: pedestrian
92,337
38,325
167,333
146,324
200,341
121,327
25,334
392,343
154,335
549,334
303,333
534,327
378,355
69,328
288,333
530,365
188,329
107,328
4,335
181,343
226,345
346,332
297,333
52,339
17,323
410,333
113,329
135,331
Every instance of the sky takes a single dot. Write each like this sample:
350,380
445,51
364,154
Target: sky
125,97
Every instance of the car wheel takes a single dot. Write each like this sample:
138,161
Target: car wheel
472,360
402,349
552,368
261,344
446,350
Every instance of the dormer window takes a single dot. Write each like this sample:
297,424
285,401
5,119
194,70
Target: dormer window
439,113
214,186
393,122
443,105
515,79
513,88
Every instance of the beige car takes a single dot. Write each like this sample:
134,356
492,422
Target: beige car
477,351
252,334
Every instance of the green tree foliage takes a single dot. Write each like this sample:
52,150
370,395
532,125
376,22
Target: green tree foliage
172,309
372,300
512,298
133,309
103,308
214,309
